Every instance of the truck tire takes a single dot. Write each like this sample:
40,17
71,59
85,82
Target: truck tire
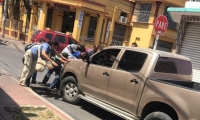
70,90
157,116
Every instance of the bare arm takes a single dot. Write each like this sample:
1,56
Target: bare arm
61,60
60,56
47,57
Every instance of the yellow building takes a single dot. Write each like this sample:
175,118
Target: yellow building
144,14
92,22
105,22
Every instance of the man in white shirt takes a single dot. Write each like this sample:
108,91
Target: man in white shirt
70,49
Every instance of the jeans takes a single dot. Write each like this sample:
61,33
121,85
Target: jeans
56,81
33,78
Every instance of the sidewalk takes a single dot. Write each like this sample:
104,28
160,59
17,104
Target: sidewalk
12,94
14,42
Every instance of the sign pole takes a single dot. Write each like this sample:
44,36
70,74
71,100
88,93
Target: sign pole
156,41
4,18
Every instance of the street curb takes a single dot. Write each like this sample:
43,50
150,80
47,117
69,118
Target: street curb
52,107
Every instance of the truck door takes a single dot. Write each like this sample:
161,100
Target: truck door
126,78
98,73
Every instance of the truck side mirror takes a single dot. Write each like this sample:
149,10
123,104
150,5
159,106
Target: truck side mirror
86,58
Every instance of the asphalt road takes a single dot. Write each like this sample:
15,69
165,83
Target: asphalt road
10,60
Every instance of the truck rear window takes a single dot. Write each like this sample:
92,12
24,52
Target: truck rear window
174,66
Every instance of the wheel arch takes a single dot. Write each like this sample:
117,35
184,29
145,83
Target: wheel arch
159,106
66,74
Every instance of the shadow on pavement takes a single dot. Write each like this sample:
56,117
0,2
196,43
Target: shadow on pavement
12,109
92,109
45,91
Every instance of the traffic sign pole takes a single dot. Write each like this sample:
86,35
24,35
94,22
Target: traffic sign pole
156,41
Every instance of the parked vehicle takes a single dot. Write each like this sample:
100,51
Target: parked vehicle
62,38
134,83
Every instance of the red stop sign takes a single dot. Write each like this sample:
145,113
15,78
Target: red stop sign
1,1
161,24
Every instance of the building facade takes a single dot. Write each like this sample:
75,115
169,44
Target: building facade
145,12
188,39
105,22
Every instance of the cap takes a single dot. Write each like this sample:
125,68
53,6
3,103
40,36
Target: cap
74,47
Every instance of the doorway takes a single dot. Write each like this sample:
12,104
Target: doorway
68,22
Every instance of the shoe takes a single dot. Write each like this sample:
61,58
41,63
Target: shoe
22,84
51,88
33,82
41,84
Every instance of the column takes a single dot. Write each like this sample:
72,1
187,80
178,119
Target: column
54,20
77,24
10,28
102,40
98,29
20,28
112,26
43,15
32,22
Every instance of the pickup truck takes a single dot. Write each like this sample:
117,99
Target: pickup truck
134,83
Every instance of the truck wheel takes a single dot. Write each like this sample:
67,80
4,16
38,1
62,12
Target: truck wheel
70,89
157,116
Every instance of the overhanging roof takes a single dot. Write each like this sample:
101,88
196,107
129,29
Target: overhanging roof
176,13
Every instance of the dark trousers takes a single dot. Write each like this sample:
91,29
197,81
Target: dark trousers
33,77
56,81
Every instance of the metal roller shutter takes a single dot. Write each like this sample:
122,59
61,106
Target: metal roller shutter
191,47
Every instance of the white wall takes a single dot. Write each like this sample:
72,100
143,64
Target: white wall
190,4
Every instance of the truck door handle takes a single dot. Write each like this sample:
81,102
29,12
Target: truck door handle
105,73
134,81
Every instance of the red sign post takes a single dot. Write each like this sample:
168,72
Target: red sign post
160,26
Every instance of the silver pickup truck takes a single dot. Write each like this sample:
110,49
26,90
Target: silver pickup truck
134,83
